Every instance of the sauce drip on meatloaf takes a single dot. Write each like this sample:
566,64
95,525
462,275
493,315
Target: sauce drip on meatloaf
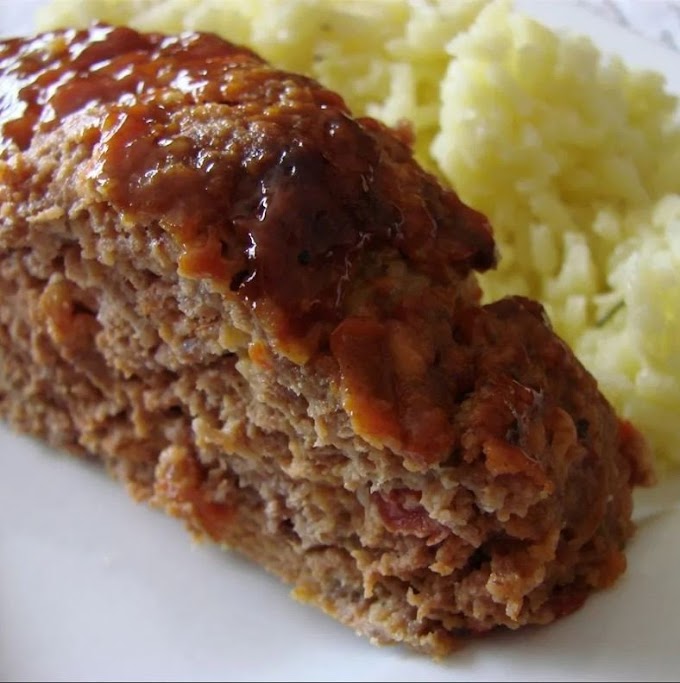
297,190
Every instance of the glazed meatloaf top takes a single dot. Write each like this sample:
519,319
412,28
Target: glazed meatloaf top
275,196
265,180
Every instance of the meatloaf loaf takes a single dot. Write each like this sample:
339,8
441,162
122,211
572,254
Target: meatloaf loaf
263,317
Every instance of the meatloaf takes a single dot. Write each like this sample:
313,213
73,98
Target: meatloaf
262,316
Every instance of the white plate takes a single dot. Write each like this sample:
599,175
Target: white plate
93,587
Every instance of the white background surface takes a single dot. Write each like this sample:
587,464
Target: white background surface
94,587
656,19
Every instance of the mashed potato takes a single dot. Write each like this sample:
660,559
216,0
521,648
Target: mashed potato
573,157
